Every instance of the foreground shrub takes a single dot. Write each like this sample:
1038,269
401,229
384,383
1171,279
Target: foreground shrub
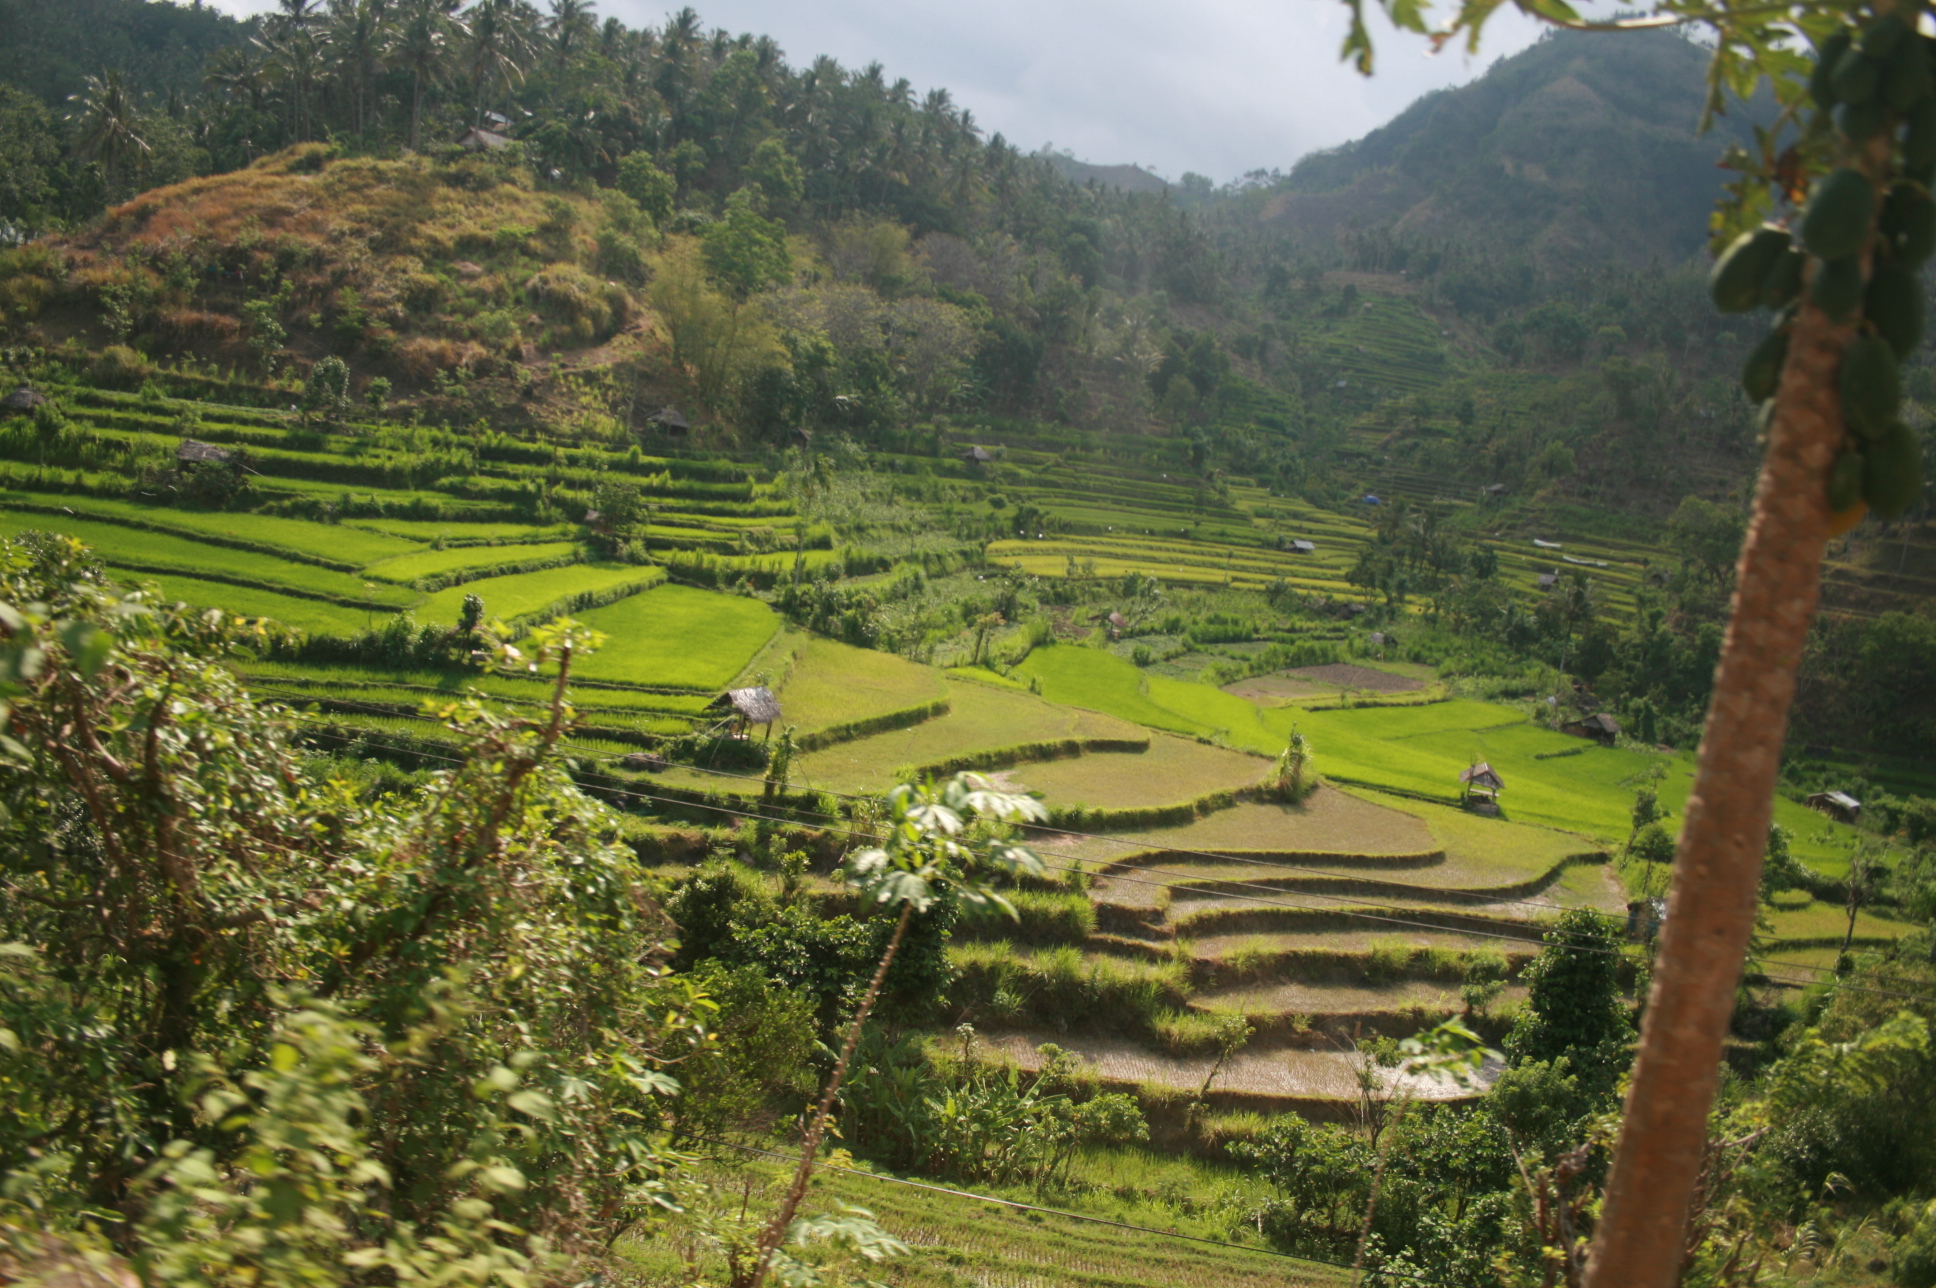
311,1035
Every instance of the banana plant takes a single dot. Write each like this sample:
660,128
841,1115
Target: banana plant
941,841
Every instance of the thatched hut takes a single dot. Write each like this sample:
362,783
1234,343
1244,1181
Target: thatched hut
1481,786
671,420
1602,728
747,707
1840,806
192,452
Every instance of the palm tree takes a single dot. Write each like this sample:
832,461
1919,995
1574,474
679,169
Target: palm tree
570,24
422,48
358,36
108,120
500,48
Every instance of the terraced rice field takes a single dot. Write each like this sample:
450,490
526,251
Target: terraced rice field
967,1243
528,594
317,615
1172,771
468,562
982,718
831,683
676,636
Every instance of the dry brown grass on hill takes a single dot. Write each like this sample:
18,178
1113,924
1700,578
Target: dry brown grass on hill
416,265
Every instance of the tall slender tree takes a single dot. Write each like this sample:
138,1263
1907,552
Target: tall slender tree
426,31
108,126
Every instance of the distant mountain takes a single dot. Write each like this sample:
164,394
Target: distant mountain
1129,178
1579,149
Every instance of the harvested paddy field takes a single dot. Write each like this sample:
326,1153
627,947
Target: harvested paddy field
1328,821
1266,1073
1320,997
1172,771
982,720
1343,675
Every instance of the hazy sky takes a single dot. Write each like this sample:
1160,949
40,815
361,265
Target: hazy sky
1215,86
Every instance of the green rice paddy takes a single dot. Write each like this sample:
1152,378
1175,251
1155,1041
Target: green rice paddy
526,593
246,601
420,563
676,636
833,683
164,553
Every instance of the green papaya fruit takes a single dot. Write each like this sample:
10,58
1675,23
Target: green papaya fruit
1869,386
1821,82
1894,303
1919,142
1859,122
1882,37
1857,78
1836,222
1761,373
1836,287
1905,76
1735,281
1892,472
1784,280
1845,481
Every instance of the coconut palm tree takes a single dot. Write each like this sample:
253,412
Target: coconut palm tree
358,34
108,121
426,30
569,26
499,49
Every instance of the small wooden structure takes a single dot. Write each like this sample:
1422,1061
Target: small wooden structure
1602,728
1480,786
1493,489
747,707
800,437
671,420
23,399
192,452
1303,547
977,456
1548,580
477,140
1113,622
1840,806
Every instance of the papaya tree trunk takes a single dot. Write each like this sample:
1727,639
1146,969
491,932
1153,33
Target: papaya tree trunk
1640,1240
775,1232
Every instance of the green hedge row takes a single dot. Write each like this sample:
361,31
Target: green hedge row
848,731
583,602
458,576
1021,753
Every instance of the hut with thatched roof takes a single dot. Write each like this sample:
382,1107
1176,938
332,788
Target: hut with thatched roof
1602,728
194,453
23,399
1481,786
747,707
671,420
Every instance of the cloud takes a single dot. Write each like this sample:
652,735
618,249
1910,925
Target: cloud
1216,86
